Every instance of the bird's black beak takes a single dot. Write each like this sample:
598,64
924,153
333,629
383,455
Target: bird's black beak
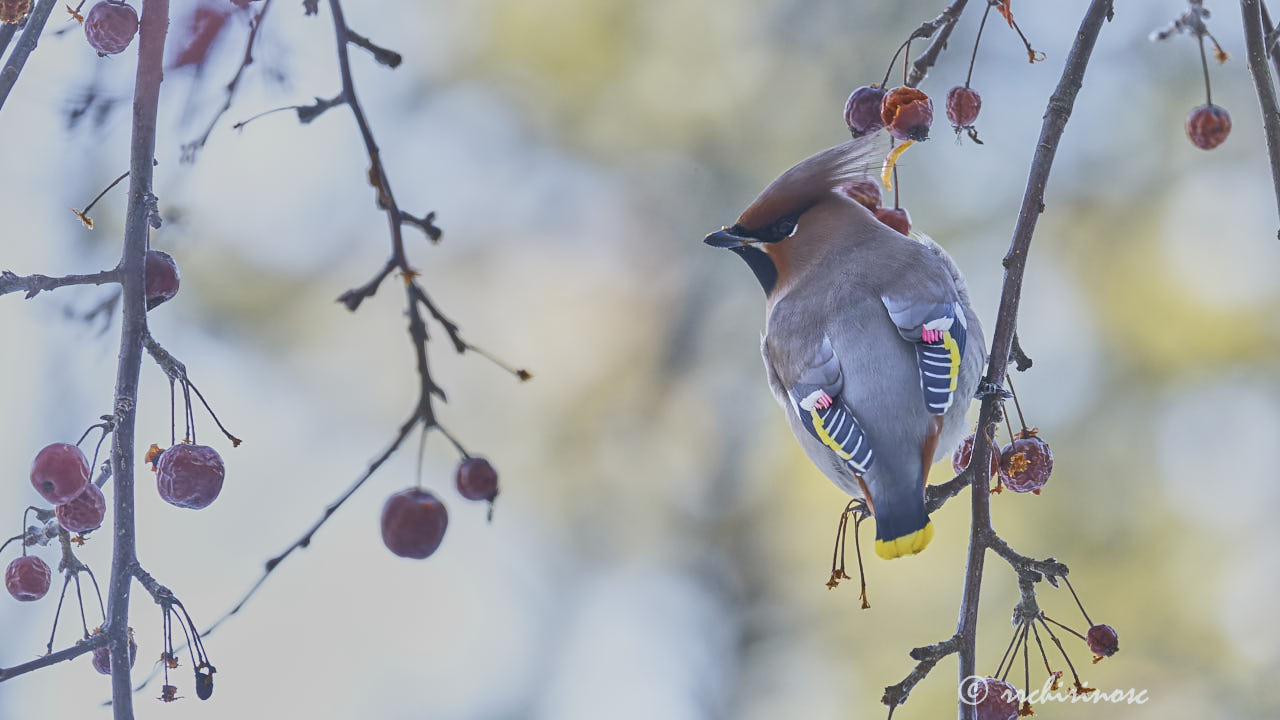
724,238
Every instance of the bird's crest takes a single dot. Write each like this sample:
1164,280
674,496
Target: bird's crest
805,184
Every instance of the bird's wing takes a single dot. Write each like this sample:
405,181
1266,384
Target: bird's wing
937,327
815,397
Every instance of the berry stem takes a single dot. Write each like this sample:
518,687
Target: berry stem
1022,420
1056,641
894,61
1204,65
1077,599
57,613
974,58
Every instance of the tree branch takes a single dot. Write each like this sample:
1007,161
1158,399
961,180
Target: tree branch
146,98
1058,111
255,25
33,285
75,651
1256,49
26,45
946,22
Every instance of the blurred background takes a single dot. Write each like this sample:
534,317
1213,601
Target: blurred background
660,546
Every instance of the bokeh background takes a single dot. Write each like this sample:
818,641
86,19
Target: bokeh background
661,545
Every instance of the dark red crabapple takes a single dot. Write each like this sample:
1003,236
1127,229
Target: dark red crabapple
993,699
1103,641
963,105
964,453
110,26
1026,463
413,523
83,513
1208,126
907,113
189,475
102,656
476,479
864,192
27,578
60,472
162,278
862,110
896,218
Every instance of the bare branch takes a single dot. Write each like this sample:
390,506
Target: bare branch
26,45
146,98
75,651
33,285
383,56
255,25
926,658
1256,49
943,24
1058,111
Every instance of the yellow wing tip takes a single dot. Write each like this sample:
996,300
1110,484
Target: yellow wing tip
907,544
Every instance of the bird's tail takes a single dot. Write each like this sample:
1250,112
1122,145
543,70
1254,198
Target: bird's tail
902,525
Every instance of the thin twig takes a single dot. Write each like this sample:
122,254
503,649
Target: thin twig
33,285
1255,48
75,651
26,45
255,25
944,24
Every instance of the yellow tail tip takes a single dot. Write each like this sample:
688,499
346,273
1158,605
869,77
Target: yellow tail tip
907,544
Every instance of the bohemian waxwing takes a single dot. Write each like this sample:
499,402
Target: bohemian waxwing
870,343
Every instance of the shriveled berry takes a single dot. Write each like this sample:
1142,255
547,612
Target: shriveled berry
190,476
963,105
12,11
992,698
1025,464
1208,126
60,472
162,277
964,453
476,479
110,26
102,656
862,110
907,113
864,192
413,523
27,578
896,218
84,512
1103,641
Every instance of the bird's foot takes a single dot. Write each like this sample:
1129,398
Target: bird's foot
986,389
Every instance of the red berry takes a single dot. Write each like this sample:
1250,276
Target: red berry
963,105
84,512
896,218
27,578
477,480
907,113
60,472
964,453
993,699
190,476
1208,126
110,27
413,523
162,277
865,192
1025,464
862,110
102,656
12,11
1103,641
